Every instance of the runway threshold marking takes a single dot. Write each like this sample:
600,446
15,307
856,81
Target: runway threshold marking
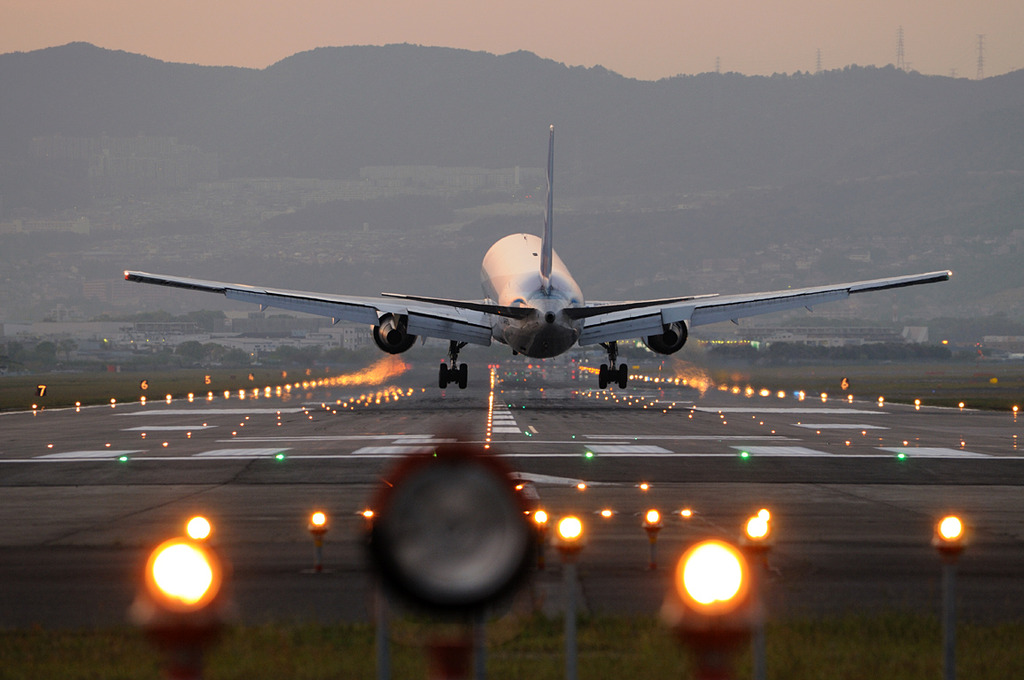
933,452
839,426
239,453
210,411
604,449
391,450
167,428
796,410
782,451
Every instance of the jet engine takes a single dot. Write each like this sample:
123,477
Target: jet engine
670,341
392,334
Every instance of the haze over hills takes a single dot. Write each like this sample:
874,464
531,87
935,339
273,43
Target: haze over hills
665,185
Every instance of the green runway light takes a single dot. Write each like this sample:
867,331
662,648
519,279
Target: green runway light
123,459
279,456
901,456
588,454
744,455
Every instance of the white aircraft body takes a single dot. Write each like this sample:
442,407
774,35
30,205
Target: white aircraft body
533,305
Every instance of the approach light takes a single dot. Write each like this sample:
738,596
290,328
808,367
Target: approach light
607,513
318,521
183,576
686,513
540,518
712,577
758,528
198,528
949,537
569,537
652,518
950,529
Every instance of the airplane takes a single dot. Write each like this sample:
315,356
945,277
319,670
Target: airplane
532,304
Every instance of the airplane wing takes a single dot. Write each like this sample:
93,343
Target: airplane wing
618,324
432,320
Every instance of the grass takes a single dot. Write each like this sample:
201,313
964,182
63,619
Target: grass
610,648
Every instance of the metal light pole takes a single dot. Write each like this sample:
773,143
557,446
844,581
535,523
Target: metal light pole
756,542
949,541
569,542
652,525
318,527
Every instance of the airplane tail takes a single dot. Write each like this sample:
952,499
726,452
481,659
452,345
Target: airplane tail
546,248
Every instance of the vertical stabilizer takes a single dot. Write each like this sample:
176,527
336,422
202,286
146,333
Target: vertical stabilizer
546,248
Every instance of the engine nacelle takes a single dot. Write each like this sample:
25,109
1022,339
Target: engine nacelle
392,334
671,340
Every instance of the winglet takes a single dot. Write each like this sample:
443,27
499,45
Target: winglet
546,248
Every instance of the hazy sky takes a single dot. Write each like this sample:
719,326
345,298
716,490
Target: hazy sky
646,39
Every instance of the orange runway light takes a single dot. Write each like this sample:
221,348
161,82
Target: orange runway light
183,576
198,528
712,577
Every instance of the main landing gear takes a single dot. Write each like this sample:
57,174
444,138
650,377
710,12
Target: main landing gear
608,374
459,375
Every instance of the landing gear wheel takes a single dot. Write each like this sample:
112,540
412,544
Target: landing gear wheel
463,378
442,376
608,374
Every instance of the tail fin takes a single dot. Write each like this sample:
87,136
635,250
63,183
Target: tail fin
546,248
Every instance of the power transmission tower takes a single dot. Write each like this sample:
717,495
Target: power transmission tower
817,62
981,56
718,64
901,62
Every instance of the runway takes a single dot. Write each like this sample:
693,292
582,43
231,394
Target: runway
854,486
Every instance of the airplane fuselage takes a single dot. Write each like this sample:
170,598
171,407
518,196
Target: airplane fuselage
511,277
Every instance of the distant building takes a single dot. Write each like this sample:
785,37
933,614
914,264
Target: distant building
827,336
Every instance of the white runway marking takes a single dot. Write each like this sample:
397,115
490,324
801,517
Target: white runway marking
782,451
839,426
690,437
548,479
506,430
422,439
601,449
314,438
167,428
239,453
211,411
793,410
934,452
102,453
391,450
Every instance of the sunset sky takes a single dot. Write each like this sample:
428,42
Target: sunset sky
646,39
